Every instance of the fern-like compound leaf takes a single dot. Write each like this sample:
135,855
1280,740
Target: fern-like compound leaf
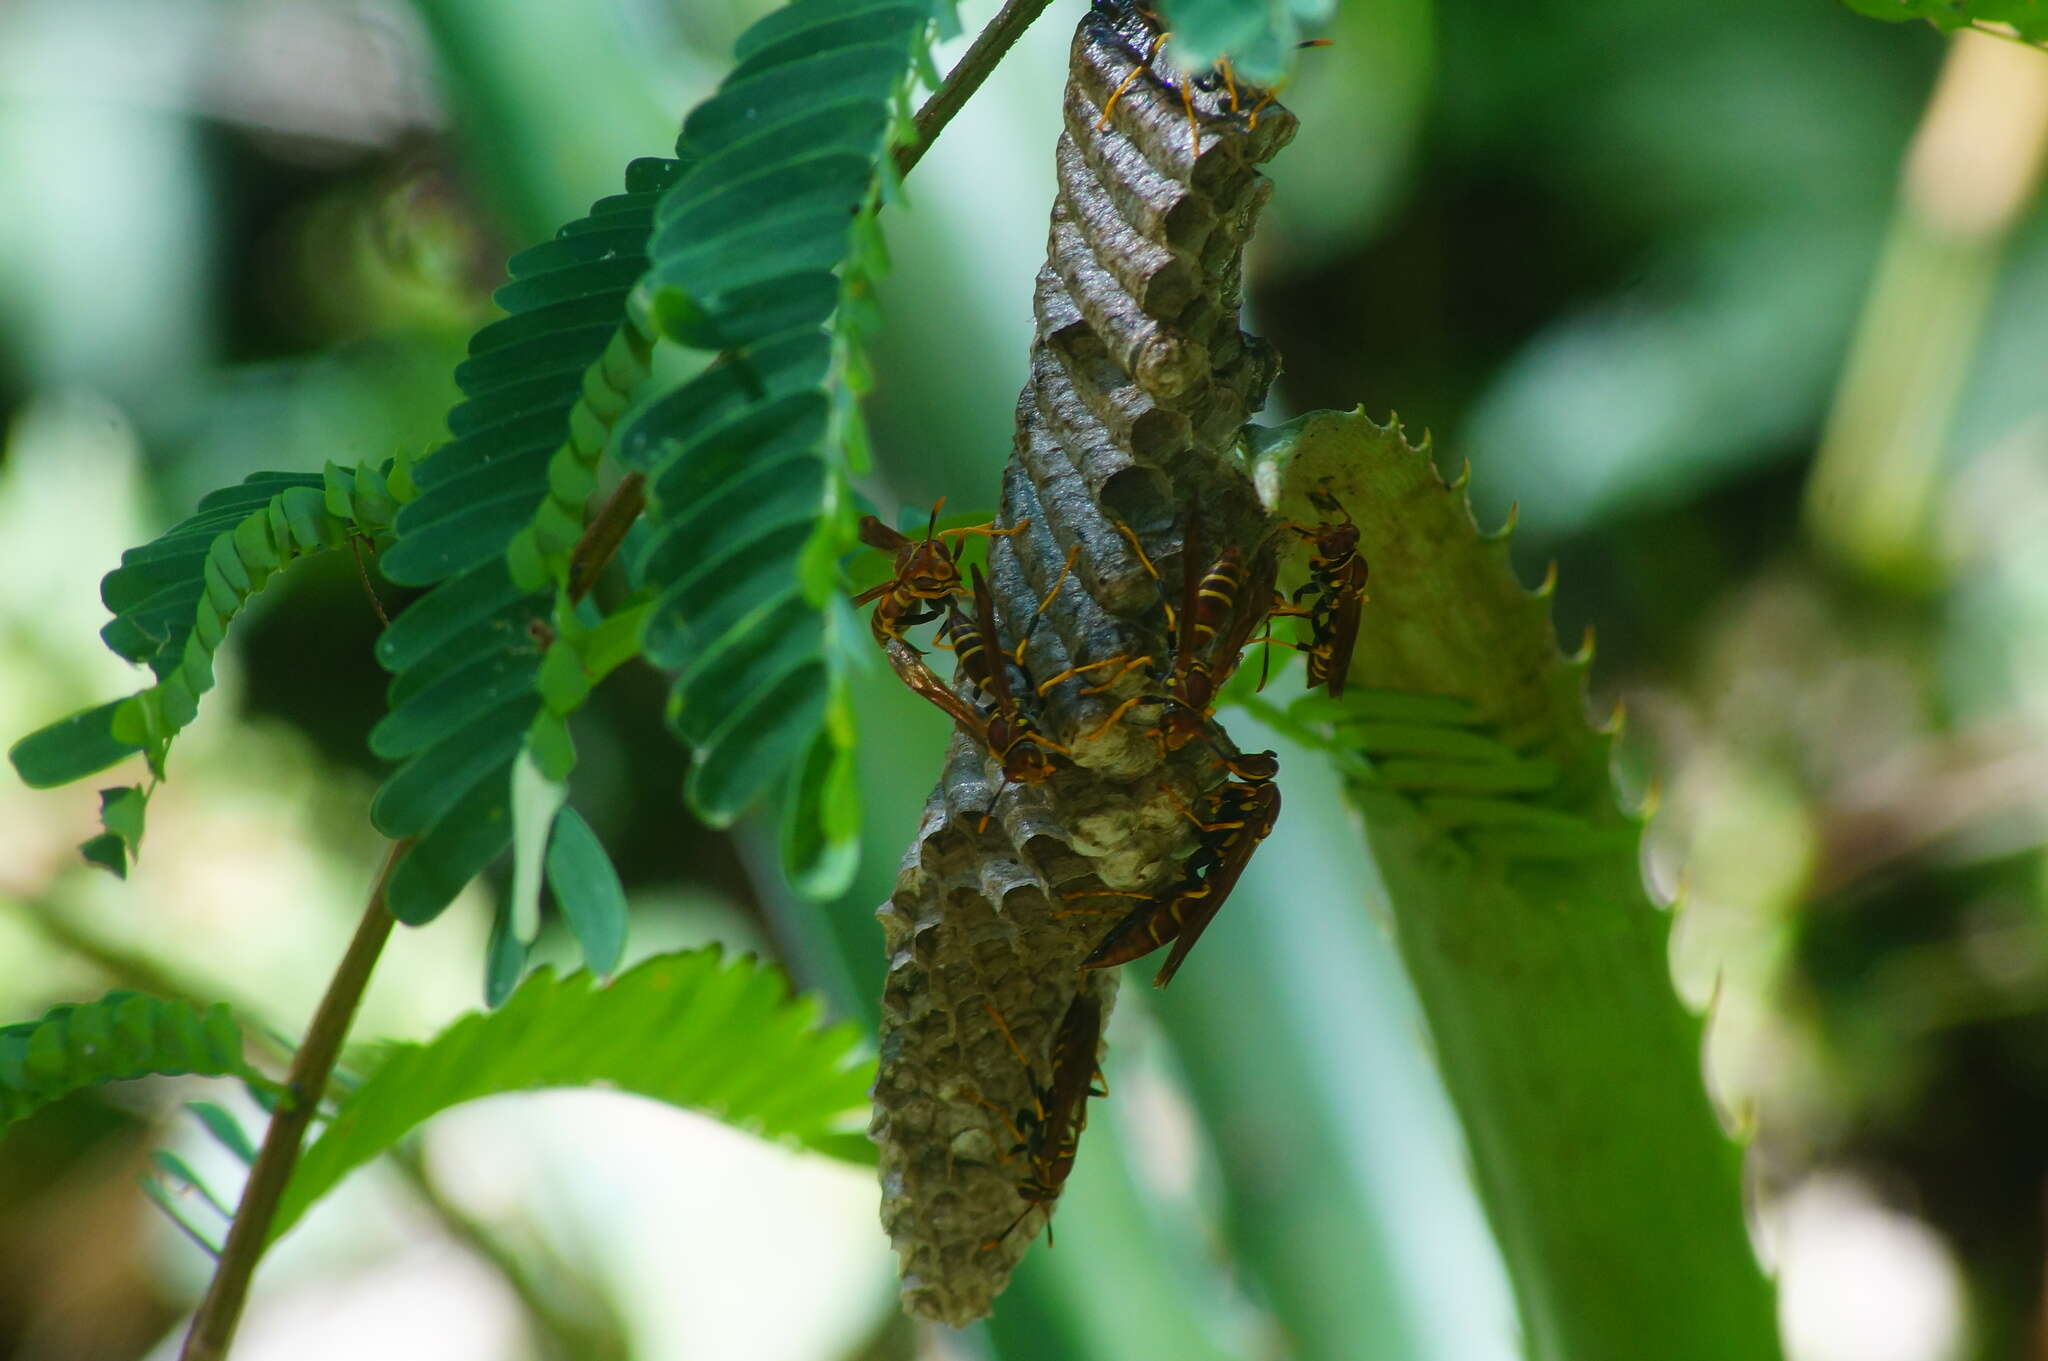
121,1036
497,510
690,1029
764,253
172,601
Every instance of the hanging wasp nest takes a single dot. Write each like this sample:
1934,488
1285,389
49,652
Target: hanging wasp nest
1140,380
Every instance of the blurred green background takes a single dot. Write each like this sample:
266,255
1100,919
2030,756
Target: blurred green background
1745,304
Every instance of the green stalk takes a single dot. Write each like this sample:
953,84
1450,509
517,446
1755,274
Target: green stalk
1973,170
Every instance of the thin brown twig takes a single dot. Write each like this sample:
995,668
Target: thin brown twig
355,544
982,55
213,1326
605,532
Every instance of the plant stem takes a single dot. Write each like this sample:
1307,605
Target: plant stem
213,1327
605,532
982,55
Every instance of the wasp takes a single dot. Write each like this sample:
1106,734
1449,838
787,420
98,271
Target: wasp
1335,590
926,572
1009,733
1147,63
1241,816
1048,1131
1006,730
1209,642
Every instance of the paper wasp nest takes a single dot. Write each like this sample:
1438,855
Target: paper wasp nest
1140,380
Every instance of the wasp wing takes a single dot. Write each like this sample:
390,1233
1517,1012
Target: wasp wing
919,677
1221,879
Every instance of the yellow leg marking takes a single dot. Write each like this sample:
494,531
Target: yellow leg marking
982,826
1110,684
1128,81
1115,716
1137,548
1100,893
1073,554
1004,1026
1001,1114
1074,671
1188,813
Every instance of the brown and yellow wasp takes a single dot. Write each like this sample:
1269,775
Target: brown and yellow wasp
1240,816
1048,1132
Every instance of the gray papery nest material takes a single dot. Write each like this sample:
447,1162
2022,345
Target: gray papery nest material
1140,381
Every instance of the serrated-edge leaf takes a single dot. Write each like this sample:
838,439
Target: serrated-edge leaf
645,1032
1519,903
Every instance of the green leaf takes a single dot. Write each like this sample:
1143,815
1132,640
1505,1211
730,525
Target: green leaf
821,820
504,957
1258,37
754,250
536,799
1513,879
226,1130
2028,18
688,1029
176,1167
173,599
70,749
167,1202
428,787
542,388
463,841
587,889
121,813
758,742
121,1036
107,851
